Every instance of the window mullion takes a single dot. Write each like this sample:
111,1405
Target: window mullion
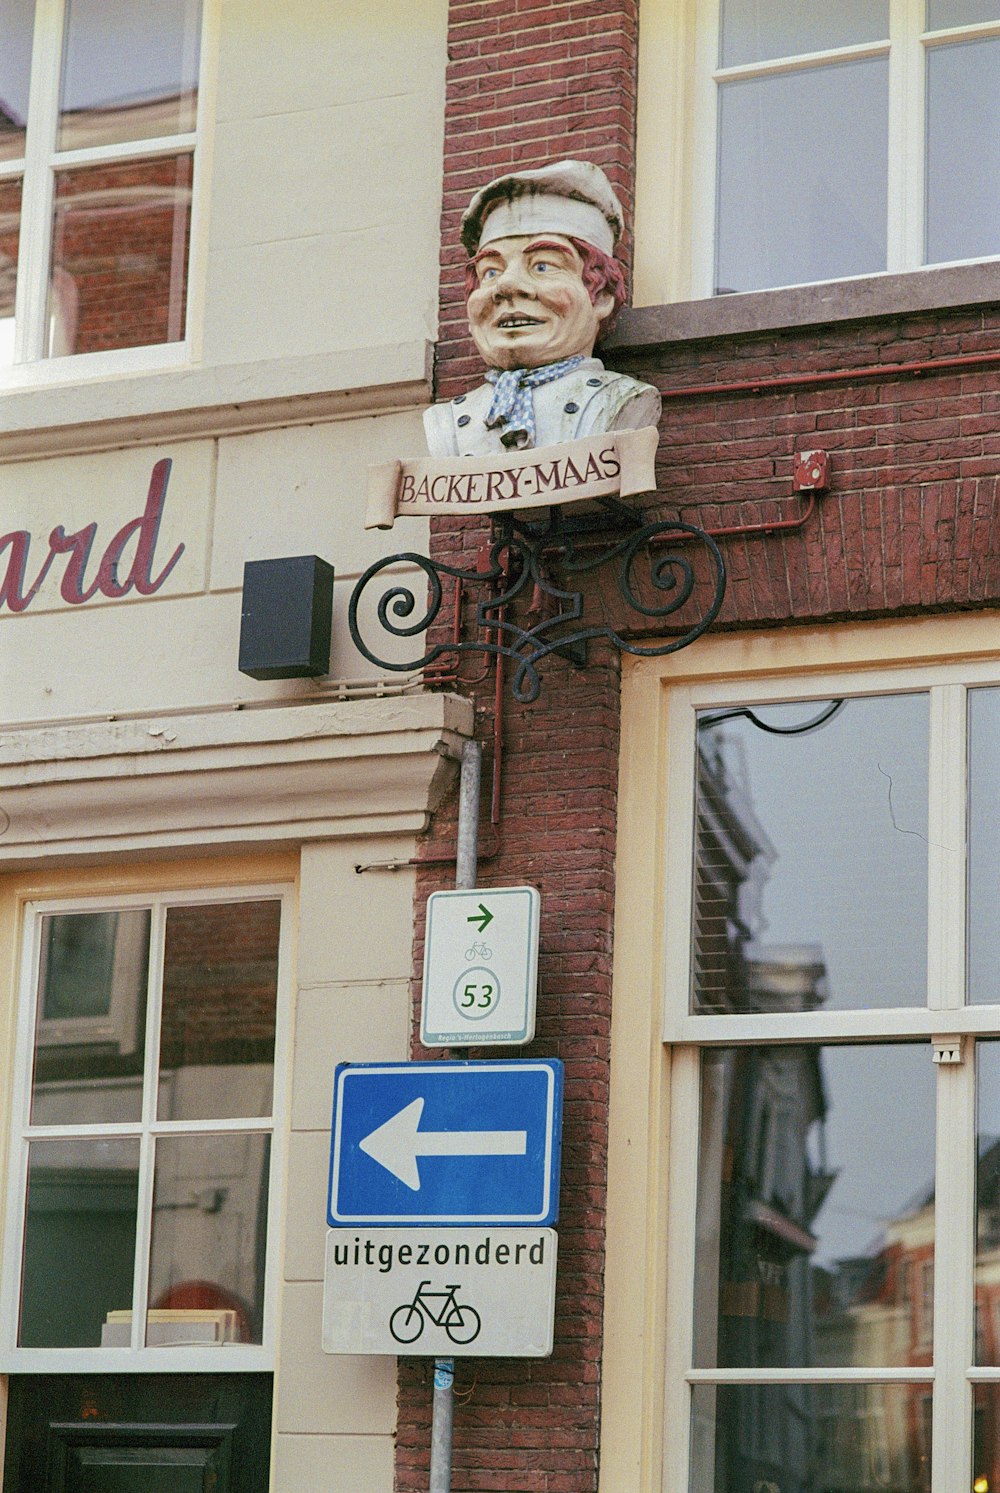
904,249
685,1100
946,850
954,1258
147,1146
35,241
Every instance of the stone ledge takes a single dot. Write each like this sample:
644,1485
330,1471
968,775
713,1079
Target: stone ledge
98,414
198,783
806,305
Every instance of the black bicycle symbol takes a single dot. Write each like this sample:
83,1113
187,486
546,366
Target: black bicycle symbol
461,1323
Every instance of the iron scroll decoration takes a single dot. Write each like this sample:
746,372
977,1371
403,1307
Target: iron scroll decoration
523,559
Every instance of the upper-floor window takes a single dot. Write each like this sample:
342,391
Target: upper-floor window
98,109
821,143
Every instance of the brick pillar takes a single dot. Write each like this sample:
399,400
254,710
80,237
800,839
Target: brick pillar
529,83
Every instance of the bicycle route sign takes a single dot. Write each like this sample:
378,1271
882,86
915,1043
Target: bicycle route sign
446,1143
440,1292
480,967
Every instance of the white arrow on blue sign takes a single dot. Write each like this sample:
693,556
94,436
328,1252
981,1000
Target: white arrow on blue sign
446,1143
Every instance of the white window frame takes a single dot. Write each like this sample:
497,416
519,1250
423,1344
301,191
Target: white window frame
945,1018
38,168
678,133
138,1358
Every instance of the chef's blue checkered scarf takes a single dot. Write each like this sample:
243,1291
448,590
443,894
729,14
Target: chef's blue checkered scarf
512,404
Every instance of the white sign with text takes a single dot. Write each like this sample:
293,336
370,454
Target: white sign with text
480,967
440,1293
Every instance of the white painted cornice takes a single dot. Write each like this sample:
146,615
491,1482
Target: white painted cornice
49,418
265,777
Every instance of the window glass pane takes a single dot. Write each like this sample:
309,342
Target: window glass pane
811,858
220,985
756,30
91,1022
794,1437
988,1205
130,72
802,176
942,13
963,151
18,22
984,847
119,256
815,1219
79,1240
986,1438
10,227
206,1270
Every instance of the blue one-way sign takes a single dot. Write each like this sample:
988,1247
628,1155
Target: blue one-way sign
446,1143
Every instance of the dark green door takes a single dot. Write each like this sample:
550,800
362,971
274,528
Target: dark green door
148,1433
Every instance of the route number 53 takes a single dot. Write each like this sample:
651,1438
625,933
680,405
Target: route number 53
482,997
476,993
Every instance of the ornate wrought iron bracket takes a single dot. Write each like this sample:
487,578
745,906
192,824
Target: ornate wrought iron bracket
529,571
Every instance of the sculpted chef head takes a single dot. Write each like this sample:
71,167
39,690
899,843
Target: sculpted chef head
542,278
542,282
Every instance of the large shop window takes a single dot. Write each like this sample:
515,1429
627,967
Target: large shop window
144,1137
834,1238
831,141
98,107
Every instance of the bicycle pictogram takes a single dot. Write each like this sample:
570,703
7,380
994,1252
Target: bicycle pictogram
460,1322
479,951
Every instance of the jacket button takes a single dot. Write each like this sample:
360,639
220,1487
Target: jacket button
458,399
464,419
571,408
594,383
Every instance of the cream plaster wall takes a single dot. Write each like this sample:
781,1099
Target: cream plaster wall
326,178
335,1416
298,490
314,286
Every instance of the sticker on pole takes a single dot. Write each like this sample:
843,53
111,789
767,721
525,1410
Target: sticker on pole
480,967
440,1292
446,1143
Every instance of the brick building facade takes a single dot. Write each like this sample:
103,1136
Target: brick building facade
895,378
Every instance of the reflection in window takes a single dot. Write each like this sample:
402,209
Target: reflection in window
811,1217
197,1202
963,126
984,848
109,248
15,74
206,1268
91,1021
988,1203
751,32
129,72
10,222
79,1240
220,987
825,129
811,859
849,1437
119,256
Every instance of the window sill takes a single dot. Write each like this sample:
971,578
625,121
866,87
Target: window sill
807,305
138,407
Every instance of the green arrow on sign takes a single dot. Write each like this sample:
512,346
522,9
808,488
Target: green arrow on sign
483,917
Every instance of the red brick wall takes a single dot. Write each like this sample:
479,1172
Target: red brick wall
910,523
911,518
532,82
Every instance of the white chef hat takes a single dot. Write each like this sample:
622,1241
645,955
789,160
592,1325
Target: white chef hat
573,198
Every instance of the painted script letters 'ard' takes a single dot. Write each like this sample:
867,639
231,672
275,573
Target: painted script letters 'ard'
111,579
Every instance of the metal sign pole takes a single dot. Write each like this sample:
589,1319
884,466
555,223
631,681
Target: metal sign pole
443,1413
